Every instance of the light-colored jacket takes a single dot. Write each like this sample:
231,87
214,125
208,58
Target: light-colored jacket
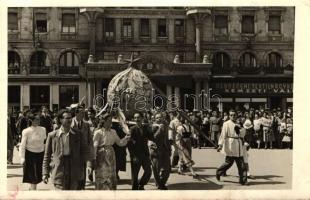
230,141
173,125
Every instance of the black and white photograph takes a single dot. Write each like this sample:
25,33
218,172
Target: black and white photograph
153,98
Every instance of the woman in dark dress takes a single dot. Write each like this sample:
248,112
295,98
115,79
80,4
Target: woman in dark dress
120,152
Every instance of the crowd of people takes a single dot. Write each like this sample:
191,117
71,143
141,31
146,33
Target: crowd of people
74,144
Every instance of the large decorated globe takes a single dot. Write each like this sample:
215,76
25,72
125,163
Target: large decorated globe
131,90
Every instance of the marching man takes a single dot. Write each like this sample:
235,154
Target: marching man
231,145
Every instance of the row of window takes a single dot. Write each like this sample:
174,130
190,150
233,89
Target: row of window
40,63
40,95
247,60
69,61
221,23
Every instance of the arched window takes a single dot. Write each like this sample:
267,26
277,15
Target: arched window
274,60
221,60
14,62
69,63
39,63
247,60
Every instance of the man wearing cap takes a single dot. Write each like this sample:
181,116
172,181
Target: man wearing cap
82,128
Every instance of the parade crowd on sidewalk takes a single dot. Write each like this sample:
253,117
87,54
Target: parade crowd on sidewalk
72,145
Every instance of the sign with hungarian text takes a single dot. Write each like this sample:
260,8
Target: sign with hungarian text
251,88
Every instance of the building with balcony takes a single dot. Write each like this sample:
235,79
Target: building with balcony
245,55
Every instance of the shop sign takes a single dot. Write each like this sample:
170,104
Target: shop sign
251,88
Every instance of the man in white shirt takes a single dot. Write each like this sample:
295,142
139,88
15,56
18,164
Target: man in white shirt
231,145
173,125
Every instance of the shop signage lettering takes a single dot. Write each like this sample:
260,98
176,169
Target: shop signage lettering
277,88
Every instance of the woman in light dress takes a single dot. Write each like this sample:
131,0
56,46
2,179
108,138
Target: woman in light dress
257,122
267,132
105,163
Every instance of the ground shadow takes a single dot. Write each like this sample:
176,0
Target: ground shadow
14,175
14,166
206,185
255,182
265,183
267,177
199,169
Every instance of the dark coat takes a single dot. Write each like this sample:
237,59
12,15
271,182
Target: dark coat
53,156
86,137
120,152
21,124
137,145
161,141
47,122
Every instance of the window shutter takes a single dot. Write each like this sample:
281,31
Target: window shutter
274,23
40,16
12,21
220,21
247,24
68,19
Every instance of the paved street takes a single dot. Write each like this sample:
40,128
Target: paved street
272,170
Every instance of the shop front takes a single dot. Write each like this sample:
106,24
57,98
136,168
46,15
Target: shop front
244,95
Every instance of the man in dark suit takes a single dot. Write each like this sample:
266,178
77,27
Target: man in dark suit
82,127
160,152
62,156
46,120
139,153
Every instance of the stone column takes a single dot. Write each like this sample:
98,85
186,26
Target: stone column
25,95
171,31
118,30
199,14
54,88
153,30
199,33
91,14
169,93
197,93
207,95
90,94
177,94
136,30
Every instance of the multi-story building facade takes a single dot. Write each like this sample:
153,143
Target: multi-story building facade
244,55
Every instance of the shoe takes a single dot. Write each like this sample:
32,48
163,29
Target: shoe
251,177
141,187
195,176
218,177
244,183
163,187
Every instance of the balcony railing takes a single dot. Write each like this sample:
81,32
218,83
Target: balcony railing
248,70
39,70
68,70
274,70
222,70
14,70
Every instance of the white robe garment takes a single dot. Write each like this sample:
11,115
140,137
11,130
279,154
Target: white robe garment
231,146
